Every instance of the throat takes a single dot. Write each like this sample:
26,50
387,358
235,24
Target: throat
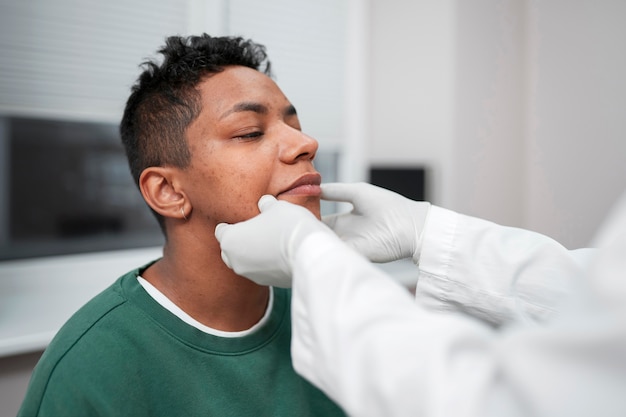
216,330
224,303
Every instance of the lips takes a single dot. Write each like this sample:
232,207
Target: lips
308,184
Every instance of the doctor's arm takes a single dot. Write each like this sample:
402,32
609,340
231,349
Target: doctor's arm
495,273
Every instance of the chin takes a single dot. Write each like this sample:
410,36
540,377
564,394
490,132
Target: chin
315,210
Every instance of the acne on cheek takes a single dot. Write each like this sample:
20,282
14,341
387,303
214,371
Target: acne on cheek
235,193
239,208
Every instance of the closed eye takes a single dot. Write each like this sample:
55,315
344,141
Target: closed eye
249,136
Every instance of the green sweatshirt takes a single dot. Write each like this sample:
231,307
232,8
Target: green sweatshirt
123,354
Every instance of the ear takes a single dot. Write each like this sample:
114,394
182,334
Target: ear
159,187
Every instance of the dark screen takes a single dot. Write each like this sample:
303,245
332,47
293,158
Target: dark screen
69,190
408,181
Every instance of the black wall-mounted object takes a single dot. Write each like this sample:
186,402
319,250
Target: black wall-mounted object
66,188
405,180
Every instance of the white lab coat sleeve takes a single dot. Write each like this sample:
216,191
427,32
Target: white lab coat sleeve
361,338
495,273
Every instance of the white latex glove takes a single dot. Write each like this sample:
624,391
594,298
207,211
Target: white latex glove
262,249
383,225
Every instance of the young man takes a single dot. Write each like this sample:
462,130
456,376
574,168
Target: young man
207,133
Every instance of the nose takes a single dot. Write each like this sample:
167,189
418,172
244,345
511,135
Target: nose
296,146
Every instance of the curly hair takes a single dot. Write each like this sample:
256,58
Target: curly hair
164,101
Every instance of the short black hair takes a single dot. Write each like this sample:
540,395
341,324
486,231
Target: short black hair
165,101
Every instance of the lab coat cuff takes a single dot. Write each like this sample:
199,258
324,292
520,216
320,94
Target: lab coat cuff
437,242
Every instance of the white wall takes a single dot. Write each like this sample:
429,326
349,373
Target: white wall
577,139
516,106
489,113
411,87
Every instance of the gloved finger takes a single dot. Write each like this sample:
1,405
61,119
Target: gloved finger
226,261
336,191
220,229
361,195
266,201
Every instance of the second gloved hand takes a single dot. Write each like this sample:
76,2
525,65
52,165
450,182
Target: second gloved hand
383,225
262,248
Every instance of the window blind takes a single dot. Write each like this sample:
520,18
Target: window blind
77,59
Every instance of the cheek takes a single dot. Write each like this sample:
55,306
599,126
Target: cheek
228,182
239,207
232,196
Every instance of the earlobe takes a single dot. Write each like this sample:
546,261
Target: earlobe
159,188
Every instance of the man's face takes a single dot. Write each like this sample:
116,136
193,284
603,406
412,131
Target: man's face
245,143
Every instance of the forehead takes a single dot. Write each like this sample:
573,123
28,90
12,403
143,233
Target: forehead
236,84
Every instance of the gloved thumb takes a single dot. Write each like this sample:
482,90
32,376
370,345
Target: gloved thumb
266,201
220,229
336,191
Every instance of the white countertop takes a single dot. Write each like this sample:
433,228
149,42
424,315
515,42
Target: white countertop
38,296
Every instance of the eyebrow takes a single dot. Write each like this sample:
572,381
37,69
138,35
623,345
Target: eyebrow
290,110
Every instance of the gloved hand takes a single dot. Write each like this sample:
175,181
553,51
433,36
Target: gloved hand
383,225
262,248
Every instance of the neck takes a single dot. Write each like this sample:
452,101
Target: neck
198,281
